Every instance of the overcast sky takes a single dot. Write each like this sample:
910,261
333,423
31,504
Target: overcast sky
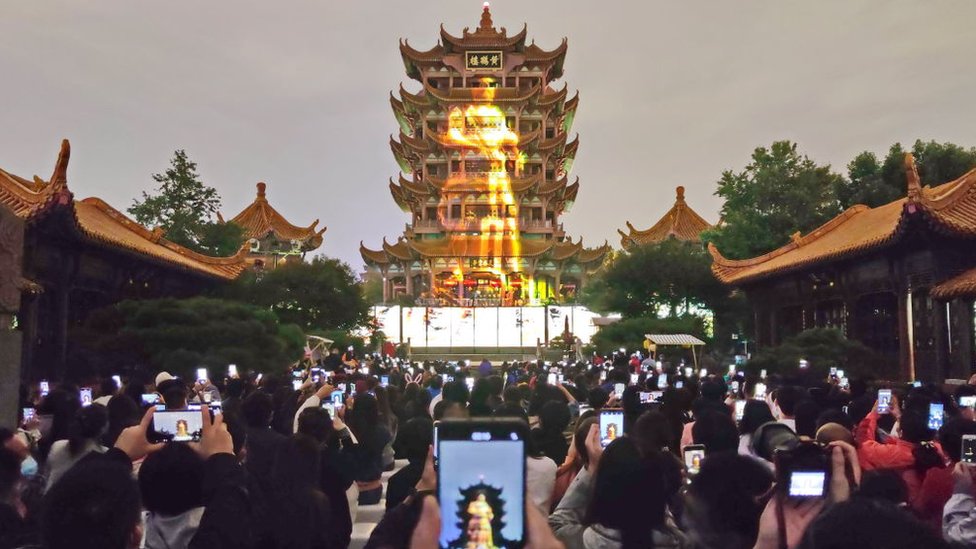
296,94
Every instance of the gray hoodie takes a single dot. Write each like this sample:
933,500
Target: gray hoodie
173,532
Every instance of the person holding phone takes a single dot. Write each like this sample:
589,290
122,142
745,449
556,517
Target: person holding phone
912,454
619,500
937,487
84,437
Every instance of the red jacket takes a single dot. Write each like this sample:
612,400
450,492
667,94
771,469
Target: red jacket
933,496
894,454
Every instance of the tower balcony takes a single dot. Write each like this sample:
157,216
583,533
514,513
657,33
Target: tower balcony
426,226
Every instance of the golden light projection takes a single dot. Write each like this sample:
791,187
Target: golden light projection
482,128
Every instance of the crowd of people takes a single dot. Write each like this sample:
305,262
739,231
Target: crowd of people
730,459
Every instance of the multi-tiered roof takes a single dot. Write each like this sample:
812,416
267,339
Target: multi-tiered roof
681,222
261,221
483,67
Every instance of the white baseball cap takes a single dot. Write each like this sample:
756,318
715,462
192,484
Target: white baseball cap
163,377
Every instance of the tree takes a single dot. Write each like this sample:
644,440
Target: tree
779,193
672,276
185,209
179,335
821,348
318,296
874,184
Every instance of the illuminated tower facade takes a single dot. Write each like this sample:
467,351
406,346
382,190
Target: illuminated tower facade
485,158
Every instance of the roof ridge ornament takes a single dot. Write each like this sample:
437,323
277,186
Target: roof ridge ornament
914,182
262,190
486,22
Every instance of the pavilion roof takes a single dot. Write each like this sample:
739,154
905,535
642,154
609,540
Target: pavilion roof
680,222
949,209
484,36
260,219
482,246
962,285
103,225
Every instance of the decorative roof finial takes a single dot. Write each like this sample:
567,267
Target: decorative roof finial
261,189
914,190
486,23
680,194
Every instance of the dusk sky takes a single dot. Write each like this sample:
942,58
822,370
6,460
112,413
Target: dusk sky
296,94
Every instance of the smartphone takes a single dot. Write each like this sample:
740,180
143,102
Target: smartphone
603,375
967,401
916,384
559,379
807,484
86,396
740,409
232,370
634,378
551,379
645,397
968,448
618,390
177,426
657,395
662,381
342,388
29,414
936,415
762,374
316,378
437,425
207,398
202,374
679,384
688,372
118,381
735,386
384,381
840,373
693,455
481,482
731,368
296,384
148,399
328,406
759,391
845,383
337,398
884,401
45,388
611,425
833,371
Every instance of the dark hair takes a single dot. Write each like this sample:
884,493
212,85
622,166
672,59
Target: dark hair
122,412
806,412
716,431
257,409
417,435
316,423
579,437
598,398
554,417
174,394
9,471
755,413
915,429
107,387
234,388
363,417
89,424
95,505
862,522
299,510
652,432
510,409
885,485
832,415
455,391
950,436
723,502
628,492
171,480
788,397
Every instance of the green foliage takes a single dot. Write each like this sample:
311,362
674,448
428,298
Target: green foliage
629,332
373,290
874,184
185,208
179,335
779,193
672,275
319,295
822,348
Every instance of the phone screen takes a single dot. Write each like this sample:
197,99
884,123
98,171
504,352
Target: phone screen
296,384
469,381
118,381
328,406
86,396
481,483
884,401
611,426
551,379
384,381
29,414
232,370
645,397
968,449
202,374
634,378
968,401
740,409
45,388
662,381
679,384
337,397
177,425
694,454
936,415
618,389
149,398
807,484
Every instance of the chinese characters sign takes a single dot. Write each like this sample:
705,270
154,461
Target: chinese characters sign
483,60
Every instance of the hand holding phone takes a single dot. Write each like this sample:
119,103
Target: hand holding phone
884,401
611,426
693,454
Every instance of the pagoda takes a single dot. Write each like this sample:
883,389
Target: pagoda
485,159
680,222
271,239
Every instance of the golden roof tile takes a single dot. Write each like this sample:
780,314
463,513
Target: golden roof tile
680,222
260,219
